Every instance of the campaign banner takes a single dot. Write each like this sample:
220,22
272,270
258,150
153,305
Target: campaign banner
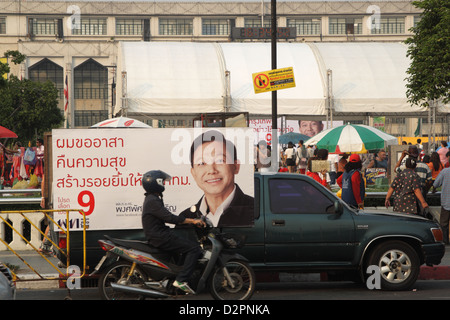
100,171
262,128
371,174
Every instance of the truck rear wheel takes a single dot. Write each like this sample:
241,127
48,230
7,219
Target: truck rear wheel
398,263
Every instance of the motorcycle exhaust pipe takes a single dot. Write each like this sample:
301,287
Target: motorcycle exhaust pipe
139,291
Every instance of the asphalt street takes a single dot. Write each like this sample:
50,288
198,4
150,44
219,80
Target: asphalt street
47,269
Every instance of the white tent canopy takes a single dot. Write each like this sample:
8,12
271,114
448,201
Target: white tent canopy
190,77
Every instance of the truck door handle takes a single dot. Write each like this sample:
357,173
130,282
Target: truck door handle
278,222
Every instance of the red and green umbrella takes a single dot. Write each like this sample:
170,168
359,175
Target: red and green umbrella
352,138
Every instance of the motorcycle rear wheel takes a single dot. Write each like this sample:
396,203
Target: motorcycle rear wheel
242,276
118,273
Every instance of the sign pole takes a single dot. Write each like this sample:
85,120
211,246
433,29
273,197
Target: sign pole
274,156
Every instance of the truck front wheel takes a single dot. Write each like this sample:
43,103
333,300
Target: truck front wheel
398,263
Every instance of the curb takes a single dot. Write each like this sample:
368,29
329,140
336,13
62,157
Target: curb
434,273
30,281
426,273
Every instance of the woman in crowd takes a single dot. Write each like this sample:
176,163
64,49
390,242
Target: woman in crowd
406,189
435,165
442,151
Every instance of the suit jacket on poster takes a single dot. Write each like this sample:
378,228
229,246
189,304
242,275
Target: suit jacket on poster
239,213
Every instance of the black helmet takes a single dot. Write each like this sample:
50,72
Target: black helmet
153,181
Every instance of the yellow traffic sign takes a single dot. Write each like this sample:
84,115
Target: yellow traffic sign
273,80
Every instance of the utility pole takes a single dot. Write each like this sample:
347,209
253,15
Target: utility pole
274,157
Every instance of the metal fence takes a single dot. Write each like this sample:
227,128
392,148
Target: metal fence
25,230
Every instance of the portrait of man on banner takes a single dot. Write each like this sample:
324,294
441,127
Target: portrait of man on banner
214,166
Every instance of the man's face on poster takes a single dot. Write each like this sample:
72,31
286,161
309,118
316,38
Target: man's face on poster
213,169
310,128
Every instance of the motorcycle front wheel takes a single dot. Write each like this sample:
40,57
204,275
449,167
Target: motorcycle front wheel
118,273
236,281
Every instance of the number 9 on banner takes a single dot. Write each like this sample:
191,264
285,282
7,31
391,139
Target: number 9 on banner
88,206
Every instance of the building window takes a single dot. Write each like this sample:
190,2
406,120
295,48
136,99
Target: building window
345,26
397,120
2,25
43,26
390,25
215,27
91,26
91,81
129,26
45,70
87,118
166,123
175,27
416,20
305,26
256,22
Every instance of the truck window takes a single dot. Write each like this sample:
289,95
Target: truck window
297,196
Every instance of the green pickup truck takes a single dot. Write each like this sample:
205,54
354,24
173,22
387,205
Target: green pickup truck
300,226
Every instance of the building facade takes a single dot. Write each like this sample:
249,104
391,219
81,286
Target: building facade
75,44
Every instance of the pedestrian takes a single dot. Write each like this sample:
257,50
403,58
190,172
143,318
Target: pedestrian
282,162
380,160
290,157
442,151
301,158
422,169
17,170
320,177
310,151
435,165
448,158
443,179
341,164
406,189
50,236
419,145
352,183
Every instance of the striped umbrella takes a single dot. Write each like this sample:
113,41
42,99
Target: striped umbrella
120,122
352,138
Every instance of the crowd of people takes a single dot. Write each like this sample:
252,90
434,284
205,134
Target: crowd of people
416,174
19,164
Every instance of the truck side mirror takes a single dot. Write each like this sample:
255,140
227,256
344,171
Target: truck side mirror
338,207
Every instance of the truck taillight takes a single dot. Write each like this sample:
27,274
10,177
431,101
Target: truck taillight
437,234
62,241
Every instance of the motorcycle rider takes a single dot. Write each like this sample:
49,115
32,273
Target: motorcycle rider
159,235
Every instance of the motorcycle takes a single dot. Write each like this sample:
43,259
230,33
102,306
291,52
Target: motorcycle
132,269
